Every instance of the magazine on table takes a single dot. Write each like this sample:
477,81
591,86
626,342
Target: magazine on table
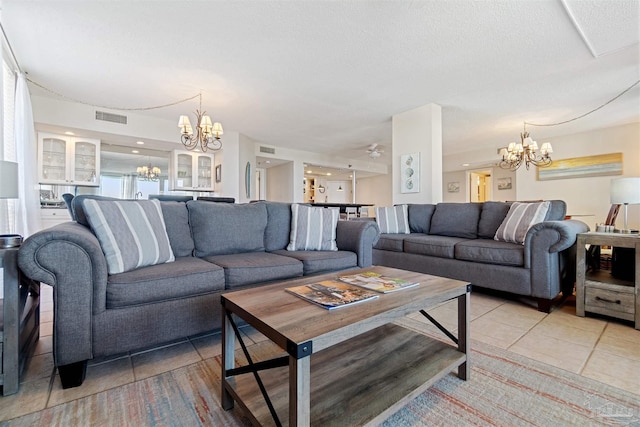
377,282
332,294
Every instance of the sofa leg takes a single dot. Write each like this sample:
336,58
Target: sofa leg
544,305
72,375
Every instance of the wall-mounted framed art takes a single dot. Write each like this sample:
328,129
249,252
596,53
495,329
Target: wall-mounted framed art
410,173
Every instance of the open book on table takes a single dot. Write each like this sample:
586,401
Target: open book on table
377,282
332,294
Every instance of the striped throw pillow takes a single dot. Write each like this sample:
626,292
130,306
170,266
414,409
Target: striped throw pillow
519,219
393,220
313,228
132,234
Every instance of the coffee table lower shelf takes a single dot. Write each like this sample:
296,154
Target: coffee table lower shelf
357,382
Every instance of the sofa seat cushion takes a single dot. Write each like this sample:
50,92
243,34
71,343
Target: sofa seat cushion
438,246
490,251
391,242
186,276
314,262
255,267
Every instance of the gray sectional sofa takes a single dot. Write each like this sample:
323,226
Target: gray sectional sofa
456,240
217,246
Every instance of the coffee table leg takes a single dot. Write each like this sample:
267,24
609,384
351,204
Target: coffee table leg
228,359
299,391
464,306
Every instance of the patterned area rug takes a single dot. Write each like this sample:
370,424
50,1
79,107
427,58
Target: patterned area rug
505,389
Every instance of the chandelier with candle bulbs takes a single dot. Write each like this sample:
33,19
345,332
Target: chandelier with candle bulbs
207,136
526,152
148,173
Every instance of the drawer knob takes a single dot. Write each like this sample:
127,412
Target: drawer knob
609,300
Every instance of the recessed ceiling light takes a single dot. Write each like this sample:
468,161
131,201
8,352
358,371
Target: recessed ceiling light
140,142
328,173
69,133
135,151
466,164
309,171
268,161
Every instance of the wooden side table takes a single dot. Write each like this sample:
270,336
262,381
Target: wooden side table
19,320
597,291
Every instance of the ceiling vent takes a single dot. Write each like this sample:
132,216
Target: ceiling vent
268,150
110,117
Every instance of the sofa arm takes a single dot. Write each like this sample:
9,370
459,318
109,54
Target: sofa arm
69,258
359,237
553,236
549,253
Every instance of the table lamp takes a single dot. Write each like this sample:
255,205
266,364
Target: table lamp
9,190
625,191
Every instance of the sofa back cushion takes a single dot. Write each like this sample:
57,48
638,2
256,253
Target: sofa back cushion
176,219
520,218
557,210
420,218
77,206
456,220
226,228
313,228
276,234
393,220
491,217
131,233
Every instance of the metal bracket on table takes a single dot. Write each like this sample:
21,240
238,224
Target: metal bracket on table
255,367
439,326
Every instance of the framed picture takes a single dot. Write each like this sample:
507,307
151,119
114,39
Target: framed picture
453,187
218,173
410,173
504,183
581,167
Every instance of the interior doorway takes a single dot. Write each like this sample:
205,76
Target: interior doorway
480,185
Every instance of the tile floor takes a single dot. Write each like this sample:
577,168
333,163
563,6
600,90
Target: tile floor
602,349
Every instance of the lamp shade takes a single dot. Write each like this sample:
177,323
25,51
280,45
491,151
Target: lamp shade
8,180
625,191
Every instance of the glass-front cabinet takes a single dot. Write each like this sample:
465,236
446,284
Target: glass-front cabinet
191,171
68,160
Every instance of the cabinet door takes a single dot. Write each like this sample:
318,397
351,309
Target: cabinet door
183,171
85,162
203,173
52,159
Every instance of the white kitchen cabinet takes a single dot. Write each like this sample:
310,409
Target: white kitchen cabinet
68,160
191,171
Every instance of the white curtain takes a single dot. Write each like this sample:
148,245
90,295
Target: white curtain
28,206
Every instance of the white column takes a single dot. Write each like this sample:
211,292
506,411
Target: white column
418,131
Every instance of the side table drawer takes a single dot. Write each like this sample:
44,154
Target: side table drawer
614,301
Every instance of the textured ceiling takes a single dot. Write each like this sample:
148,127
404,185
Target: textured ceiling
327,76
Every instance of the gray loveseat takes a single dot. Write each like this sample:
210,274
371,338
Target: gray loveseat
456,240
217,246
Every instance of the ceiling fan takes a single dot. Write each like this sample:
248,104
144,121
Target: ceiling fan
374,151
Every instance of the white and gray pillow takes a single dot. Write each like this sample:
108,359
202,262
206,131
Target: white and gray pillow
393,220
313,228
519,219
132,234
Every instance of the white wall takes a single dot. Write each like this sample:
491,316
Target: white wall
459,177
280,183
376,190
246,153
419,131
588,195
584,196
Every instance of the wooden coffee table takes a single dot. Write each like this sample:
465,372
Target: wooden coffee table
349,366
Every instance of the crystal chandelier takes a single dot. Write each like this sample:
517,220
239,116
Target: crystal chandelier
207,134
525,152
148,173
